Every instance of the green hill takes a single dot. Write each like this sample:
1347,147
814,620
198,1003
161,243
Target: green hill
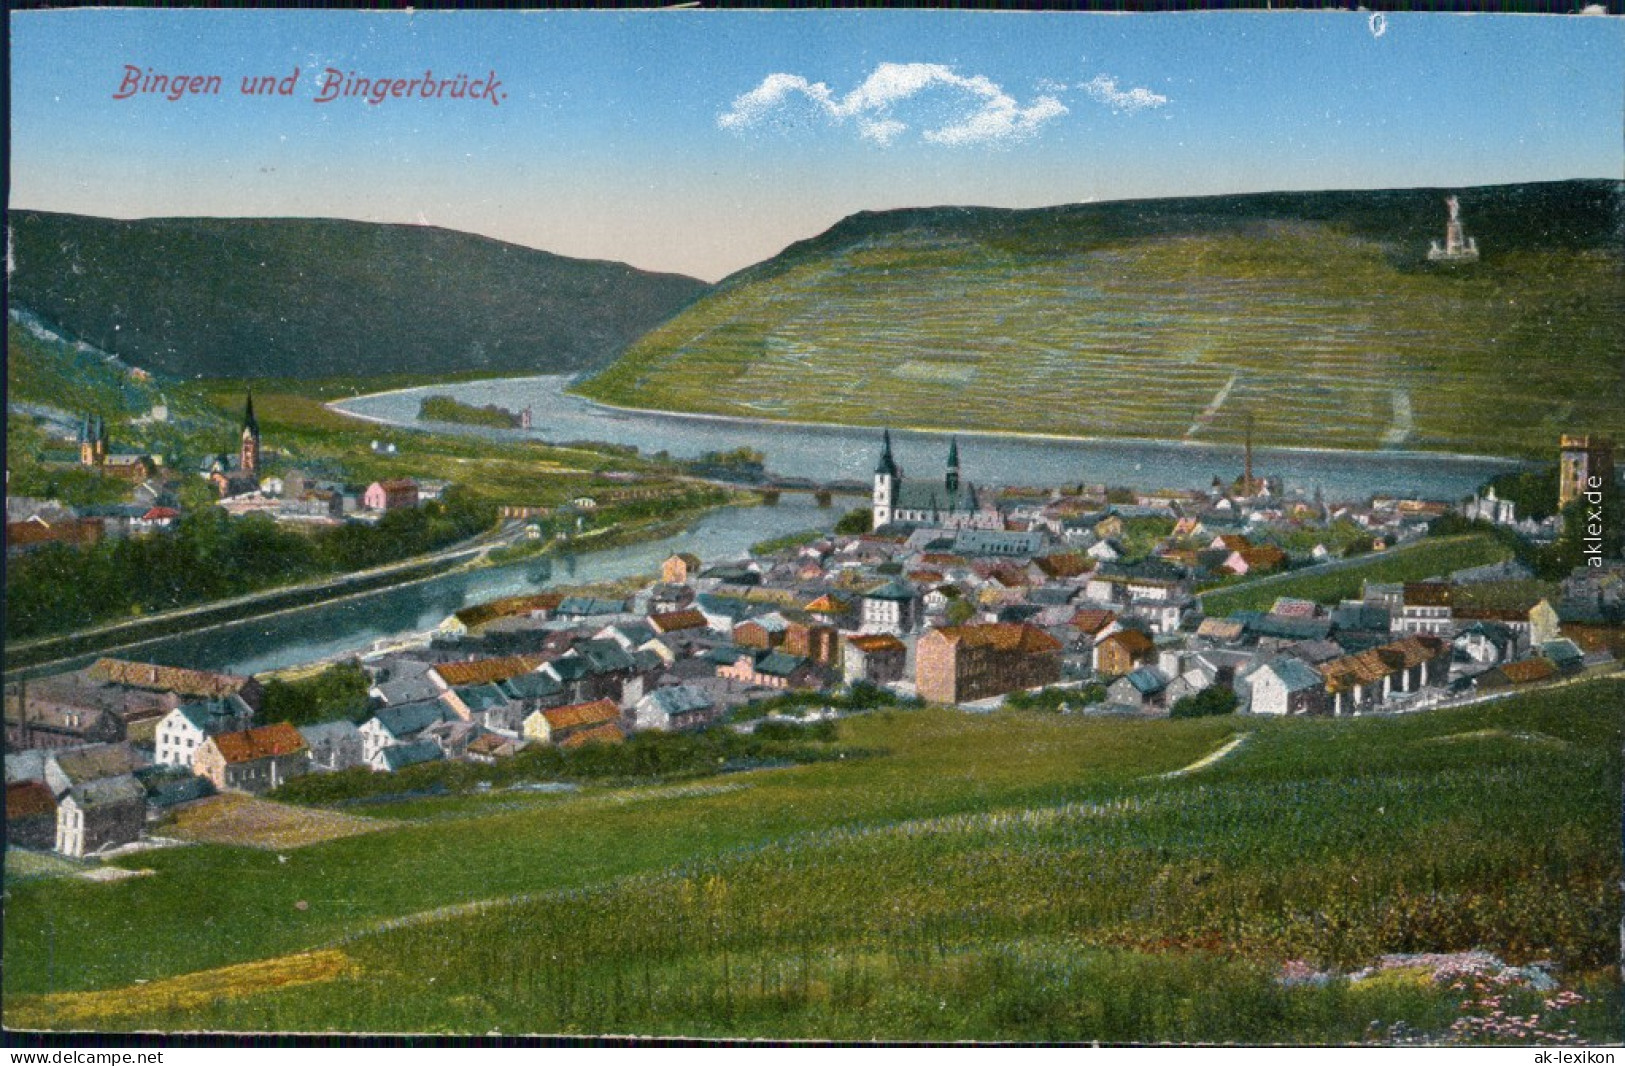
1318,313
321,297
1012,876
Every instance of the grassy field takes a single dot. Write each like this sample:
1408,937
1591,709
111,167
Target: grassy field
22,865
232,818
1007,876
1432,557
1313,313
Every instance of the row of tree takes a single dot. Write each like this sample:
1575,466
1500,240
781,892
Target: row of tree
209,555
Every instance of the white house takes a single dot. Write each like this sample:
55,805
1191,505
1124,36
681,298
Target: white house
1286,686
182,731
100,814
399,725
893,608
674,708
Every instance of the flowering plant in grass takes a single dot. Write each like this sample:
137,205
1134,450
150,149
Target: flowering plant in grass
1499,1004
1489,999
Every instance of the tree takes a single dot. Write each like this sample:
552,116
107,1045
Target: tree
855,523
960,612
1214,700
340,691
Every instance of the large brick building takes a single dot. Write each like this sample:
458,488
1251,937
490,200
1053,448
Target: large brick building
956,664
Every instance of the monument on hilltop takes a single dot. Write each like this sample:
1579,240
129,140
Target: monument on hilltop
1457,247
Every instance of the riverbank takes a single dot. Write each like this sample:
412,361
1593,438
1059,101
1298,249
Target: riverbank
36,656
31,658
1057,438
355,620
923,429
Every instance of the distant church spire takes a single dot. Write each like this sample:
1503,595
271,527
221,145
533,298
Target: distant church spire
953,469
248,458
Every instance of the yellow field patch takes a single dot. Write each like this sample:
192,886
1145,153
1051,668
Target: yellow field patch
231,818
73,1010
921,370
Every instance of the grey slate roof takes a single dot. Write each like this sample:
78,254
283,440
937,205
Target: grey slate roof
728,654
934,496
411,718
586,606
1562,652
604,656
211,715
403,755
728,606
479,698
26,765
1272,625
532,686
896,589
109,791
637,633
570,668
779,664
405,690
1147,681
679,699
996,542
1295,674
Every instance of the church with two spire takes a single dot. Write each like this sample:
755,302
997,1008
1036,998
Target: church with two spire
950,503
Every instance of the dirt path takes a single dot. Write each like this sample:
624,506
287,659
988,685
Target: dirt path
1210,758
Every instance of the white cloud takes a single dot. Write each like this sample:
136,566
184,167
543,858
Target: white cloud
1103,87
756,105
972,110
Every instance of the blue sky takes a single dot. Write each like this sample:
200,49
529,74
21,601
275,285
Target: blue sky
702,142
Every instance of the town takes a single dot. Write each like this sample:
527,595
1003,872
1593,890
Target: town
1090,600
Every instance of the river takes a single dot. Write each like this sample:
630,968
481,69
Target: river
840,453
824,453
304,634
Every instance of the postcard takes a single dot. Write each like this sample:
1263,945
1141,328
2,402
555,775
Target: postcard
840,526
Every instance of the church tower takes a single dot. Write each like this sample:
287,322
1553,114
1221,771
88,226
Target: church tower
887,479
92,440
952,480
248,458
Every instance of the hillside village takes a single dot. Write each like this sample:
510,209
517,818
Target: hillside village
238,482
1085,600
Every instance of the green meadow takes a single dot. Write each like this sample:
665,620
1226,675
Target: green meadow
1008,876
1432,557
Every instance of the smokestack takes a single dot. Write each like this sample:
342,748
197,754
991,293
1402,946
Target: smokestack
1247,483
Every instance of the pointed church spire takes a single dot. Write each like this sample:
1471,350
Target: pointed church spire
953,470
887,465
248,455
